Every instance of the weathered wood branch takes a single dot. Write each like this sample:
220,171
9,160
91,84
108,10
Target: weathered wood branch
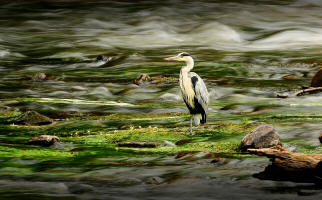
311,90
289,166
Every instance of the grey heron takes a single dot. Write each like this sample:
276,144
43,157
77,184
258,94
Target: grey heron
194,91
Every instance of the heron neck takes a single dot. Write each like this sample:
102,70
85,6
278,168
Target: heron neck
189,65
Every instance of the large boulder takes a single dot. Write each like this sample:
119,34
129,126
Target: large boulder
31,118
317,79
263,136
43,140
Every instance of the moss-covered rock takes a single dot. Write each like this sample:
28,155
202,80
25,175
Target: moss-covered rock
30,118
263,136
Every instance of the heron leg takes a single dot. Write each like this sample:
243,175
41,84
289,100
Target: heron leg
191,125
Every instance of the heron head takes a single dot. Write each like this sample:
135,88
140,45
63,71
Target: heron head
180,57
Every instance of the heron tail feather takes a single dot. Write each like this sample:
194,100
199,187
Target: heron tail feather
204,118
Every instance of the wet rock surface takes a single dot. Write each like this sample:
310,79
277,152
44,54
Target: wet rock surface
43,140
139,144
8,109
291,77
263,136
40,77
183,142
155,180
317,79
31,118
109,58
315,87
145,79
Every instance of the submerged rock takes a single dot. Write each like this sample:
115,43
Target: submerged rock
143,79
31,118
291,77
8,109
155,180
139,144
109,58
40,77
80,188
263,136
317,79
43,140
182,154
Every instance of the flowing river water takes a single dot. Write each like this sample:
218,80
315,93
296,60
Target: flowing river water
246,51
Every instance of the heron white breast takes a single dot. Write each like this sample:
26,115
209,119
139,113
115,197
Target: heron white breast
186,88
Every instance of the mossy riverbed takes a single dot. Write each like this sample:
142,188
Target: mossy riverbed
93,135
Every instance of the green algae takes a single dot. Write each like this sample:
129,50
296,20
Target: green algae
218,137
99,133
33,153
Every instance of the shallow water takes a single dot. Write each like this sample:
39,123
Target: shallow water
243,50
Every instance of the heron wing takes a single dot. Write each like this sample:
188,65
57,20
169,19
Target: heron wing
201,92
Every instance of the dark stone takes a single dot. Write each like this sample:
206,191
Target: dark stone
31,118
215,160
104,57
109,58
320,138
317,79
263,136
43,140
182,142
78,149
139,144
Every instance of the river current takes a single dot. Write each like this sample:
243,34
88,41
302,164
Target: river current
246,51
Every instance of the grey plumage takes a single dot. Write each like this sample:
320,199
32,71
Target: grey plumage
198,107
201,94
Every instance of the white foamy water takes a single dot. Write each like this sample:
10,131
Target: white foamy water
219,25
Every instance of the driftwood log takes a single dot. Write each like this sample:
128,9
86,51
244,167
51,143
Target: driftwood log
310,90
289,166
315,87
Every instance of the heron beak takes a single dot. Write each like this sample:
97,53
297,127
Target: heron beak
172,58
